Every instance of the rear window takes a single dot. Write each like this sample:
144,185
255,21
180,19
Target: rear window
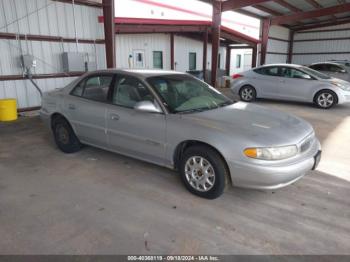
271,71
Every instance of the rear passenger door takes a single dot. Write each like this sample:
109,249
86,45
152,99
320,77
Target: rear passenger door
132,132
268,82
85,108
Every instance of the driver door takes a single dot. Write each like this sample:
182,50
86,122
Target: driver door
132,132
297,85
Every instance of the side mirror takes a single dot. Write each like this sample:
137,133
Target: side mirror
147,106
306,77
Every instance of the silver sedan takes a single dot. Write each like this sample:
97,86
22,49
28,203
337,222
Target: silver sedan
175,120
291,82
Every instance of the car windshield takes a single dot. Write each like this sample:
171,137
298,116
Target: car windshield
184,93
315,73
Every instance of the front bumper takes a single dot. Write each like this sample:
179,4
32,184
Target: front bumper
250,175
343,96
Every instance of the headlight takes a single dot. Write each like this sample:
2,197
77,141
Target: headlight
271,153
346,88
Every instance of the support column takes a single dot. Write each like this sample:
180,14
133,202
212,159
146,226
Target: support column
172,62
205,51
254,54
109,29
290,47
215,31
228,60
264,39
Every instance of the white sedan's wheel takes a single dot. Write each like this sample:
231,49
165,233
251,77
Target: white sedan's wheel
247,93
325,99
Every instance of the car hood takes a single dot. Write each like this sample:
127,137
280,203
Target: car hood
264,126
337,80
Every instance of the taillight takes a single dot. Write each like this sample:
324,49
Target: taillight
235,76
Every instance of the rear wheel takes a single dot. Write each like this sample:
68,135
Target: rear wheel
325,99
247,93
65,138
203,171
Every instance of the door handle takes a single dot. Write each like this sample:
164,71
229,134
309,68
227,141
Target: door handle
71,106
114,117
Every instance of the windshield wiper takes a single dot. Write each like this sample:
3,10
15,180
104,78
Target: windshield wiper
194,110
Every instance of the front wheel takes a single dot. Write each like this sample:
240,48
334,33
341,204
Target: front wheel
204,172
325,99
247,93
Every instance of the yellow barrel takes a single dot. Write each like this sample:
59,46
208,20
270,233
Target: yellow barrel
8,109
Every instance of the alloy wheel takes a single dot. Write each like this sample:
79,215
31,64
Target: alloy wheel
325,100
200,173
247,94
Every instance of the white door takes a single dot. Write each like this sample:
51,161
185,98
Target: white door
247,60
139,58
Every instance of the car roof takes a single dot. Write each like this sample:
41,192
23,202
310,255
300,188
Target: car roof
287,65
138,72
332,63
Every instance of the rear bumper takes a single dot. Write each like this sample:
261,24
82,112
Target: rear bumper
45,117
272,177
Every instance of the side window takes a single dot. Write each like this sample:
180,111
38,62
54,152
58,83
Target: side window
294,73
270,71
78,90
318,67
128,91
96,88
327,67
335,68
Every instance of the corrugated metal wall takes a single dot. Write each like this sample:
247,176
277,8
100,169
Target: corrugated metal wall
277,47
46,17
325,42
49,18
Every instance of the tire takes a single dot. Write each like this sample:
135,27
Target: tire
65,138
194,176
325,99
247,93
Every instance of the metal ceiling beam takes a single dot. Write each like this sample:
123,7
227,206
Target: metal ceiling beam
131,28
245,12
267,10
285,19
318,24
237,4
287,5
315,4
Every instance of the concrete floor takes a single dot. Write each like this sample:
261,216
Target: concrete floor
96,202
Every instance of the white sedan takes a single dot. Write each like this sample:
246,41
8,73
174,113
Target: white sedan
290,82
